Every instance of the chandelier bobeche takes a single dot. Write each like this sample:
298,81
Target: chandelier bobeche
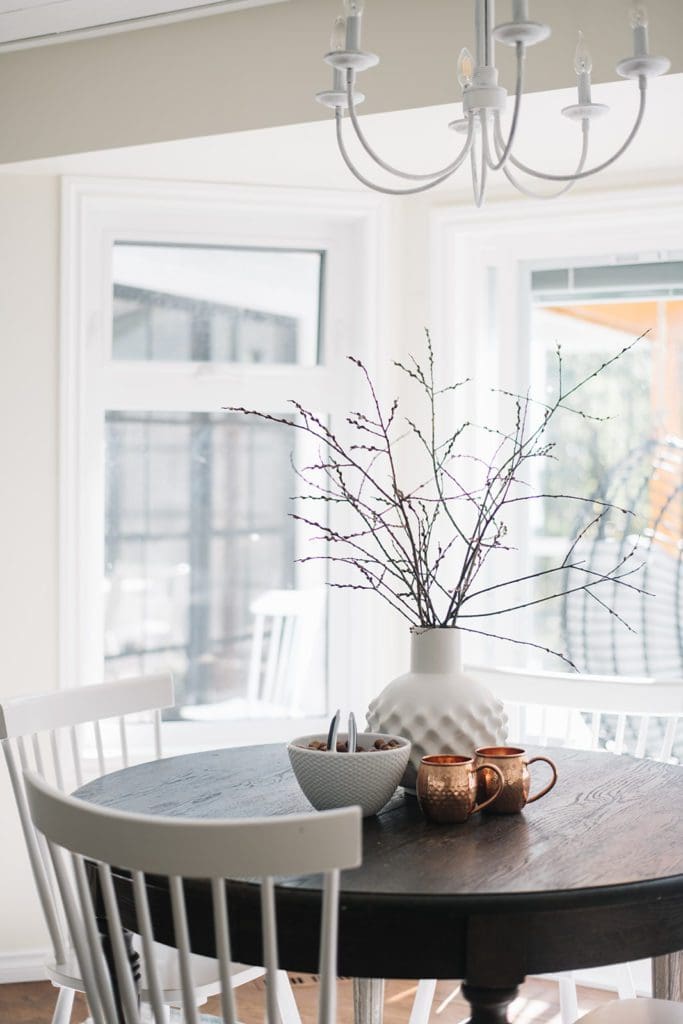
483,99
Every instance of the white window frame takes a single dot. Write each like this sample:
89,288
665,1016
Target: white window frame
508,239
349,228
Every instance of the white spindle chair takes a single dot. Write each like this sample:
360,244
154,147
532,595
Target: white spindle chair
286,630
562,709
261,848
68,736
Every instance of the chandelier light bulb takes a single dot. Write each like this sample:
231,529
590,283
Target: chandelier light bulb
353,8
338,37
465,68
638,16
583,62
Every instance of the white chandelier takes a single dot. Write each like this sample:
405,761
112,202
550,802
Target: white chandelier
483,99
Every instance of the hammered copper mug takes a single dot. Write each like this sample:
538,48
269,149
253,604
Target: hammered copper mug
513,764
447,787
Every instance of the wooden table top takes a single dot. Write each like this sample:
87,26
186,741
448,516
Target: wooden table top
610,832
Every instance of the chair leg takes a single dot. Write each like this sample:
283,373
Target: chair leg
63,1006
422,1003
626,988
569,1007
286,1003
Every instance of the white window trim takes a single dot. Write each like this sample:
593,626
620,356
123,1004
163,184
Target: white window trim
508,237
351,227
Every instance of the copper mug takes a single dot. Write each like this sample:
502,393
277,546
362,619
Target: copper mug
513,765
447,787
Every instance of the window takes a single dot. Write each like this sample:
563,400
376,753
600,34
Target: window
591,274
216,304
632,459
181,309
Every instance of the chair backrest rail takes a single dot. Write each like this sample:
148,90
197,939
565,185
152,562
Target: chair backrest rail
26,715
607,694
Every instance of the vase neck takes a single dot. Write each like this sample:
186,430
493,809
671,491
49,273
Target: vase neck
436,650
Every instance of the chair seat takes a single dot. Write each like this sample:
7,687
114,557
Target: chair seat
204,970
636,1011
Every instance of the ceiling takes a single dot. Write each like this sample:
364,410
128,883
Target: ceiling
25,23
305,155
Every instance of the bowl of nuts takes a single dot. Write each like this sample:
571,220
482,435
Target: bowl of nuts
367,777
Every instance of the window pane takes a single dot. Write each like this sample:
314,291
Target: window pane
634,459
213,304
197,533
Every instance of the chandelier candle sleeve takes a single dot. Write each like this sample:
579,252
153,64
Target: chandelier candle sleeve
338,39
520,10
354,13
639,25
583,65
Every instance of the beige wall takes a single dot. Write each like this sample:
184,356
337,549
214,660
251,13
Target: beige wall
28,515
260,67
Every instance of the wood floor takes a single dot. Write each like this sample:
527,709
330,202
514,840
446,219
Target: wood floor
33,1003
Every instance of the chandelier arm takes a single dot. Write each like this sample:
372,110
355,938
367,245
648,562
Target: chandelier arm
396,191
479,178
642,82
453,166
585,124
503,157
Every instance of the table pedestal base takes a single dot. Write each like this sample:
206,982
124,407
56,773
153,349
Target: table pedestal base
489,1005
667,977
368,1000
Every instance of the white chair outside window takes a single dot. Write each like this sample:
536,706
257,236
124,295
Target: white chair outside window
177,848
286,633
68,736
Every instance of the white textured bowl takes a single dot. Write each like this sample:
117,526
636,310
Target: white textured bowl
330,779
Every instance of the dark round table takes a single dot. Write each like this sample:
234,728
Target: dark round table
590,875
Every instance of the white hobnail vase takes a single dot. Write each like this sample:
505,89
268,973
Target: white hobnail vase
436,706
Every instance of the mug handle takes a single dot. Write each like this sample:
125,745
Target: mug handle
553,768
501,783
